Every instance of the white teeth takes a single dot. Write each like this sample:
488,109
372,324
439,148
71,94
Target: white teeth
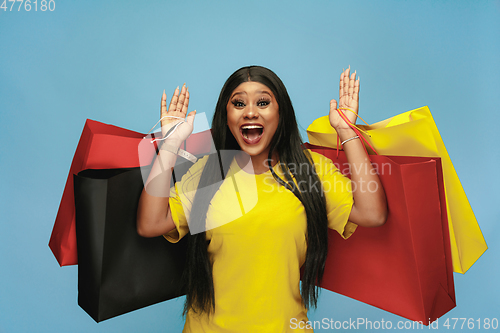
251,126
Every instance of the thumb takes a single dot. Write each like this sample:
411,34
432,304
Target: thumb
190,117
333,105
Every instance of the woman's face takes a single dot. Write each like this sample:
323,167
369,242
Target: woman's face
252,117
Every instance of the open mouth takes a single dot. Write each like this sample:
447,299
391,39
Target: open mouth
252,133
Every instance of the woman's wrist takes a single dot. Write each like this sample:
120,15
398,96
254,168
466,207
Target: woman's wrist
172,142
345,133
174,147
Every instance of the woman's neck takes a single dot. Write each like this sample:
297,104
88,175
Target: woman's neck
259,163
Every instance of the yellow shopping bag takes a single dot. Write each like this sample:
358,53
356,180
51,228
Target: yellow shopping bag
414,133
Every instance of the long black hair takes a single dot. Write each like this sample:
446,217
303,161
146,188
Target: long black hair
287,143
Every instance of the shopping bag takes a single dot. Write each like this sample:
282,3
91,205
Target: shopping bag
118,270
414,133
104,146
404,266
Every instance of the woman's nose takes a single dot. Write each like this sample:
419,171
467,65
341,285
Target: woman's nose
251,111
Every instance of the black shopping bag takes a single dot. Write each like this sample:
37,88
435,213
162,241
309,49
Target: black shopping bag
118,270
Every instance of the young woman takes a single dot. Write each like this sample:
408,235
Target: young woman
259,216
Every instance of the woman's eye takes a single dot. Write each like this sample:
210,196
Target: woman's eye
263,103
238,104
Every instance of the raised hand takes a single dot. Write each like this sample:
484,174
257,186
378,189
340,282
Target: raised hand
178,108
348,98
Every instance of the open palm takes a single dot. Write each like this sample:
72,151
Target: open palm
177,109
348,98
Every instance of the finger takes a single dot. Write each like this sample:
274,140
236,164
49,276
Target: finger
342,98
186,102
163,107
333,105
173,101
351,84
355,94
341,86
182,97
190,117
346,86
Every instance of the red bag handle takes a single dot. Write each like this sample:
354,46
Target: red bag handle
355,129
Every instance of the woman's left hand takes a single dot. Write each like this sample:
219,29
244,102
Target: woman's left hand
349,98
370,207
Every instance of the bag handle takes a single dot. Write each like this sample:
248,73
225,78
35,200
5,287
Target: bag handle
355,129
170,131
178,151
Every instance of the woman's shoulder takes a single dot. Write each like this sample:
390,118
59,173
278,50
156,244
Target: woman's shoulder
191,172
200,163
317,157
321,163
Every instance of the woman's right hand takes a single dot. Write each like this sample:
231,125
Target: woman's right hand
153,213
178,108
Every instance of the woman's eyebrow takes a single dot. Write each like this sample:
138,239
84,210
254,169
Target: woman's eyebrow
257,92
239,93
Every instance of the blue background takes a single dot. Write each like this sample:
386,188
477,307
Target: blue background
110,61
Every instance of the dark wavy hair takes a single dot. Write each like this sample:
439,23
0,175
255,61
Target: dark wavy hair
287,143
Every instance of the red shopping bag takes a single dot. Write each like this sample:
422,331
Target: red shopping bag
404,266
103,146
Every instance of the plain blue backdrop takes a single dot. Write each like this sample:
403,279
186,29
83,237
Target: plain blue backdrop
111,60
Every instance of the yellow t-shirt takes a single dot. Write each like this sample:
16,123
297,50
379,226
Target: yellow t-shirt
257,245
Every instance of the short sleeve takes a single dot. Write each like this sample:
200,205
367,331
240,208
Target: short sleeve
181,200
338,195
